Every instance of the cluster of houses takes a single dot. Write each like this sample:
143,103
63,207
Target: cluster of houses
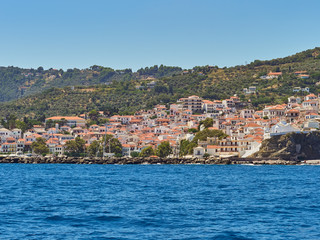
273,75
245,127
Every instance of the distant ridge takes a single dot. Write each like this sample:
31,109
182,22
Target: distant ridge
56,92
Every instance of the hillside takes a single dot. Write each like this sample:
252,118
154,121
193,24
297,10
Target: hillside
126,91
118,97
16,82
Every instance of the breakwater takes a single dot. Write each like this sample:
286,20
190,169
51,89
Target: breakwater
146,160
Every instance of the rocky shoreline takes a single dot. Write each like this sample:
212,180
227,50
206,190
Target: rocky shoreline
140,160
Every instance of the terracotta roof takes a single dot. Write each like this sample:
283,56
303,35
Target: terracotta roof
275,73
65,117
212,146
252,125
293,111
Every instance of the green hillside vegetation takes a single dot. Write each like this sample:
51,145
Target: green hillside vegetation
16,82
126,92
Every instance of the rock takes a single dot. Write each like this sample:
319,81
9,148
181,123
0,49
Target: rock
291,147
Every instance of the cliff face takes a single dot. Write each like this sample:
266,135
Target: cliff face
291,146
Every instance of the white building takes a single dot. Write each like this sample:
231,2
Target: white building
198,152
280,128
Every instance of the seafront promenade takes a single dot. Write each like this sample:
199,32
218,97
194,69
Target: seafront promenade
151,160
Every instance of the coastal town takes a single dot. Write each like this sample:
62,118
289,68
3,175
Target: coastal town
244,128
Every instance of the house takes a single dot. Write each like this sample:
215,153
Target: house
230,147
126,149
198,152
311,124
65,138
20,145
312,116
250,90
304,76
126,119
298,89
272,75
292,115
300,72
274,111
151,84
228,103
16,133
293,100
208,106
193,103
251,127
281,128
10,146
4,134
70,121
311,105
59,150
174,108
310,97
213,150
246,113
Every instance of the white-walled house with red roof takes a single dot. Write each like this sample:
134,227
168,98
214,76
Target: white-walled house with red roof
71,121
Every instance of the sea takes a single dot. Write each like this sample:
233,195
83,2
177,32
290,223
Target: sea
61,201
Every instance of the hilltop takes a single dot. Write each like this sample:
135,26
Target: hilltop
123,91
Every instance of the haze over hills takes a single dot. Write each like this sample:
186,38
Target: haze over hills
34,92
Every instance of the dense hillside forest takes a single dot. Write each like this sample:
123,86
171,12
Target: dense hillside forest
16,82
123,91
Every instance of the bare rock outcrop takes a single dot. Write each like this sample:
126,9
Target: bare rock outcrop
292,146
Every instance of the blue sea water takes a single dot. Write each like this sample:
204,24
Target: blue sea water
159,202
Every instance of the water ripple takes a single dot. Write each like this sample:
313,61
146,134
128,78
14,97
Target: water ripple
159,202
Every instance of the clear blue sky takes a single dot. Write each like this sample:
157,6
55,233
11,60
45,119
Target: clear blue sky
139,33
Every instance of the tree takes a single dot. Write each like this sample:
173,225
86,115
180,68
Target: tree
105,74
62,122
204,134
22,125
40,146
134,154
147,152
206,155
277,69
93,115
112,145
192,130
10,121
49,124
184,147
208,122
109,109
94,148
75,147
164,149
190,147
